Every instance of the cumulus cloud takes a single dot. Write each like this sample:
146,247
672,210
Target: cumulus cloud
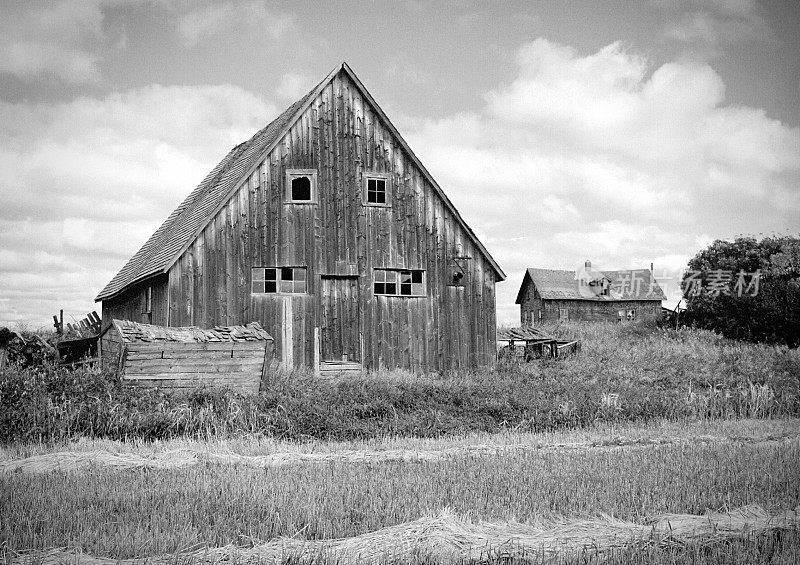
53,40
225,17
294,85
84,183
705,27
601,156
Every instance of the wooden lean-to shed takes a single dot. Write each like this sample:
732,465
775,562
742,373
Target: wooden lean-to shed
187,358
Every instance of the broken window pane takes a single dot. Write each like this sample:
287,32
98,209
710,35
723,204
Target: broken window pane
287,274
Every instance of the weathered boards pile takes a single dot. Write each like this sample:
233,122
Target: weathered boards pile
233,357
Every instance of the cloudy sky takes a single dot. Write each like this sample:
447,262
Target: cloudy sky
621,132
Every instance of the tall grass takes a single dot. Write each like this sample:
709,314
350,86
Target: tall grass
624,373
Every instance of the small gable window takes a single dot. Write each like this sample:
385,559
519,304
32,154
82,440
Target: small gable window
376,190
391,282
301,186
273,280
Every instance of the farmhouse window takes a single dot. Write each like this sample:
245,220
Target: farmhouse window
393,282
272,280
563,314
301,186
376,190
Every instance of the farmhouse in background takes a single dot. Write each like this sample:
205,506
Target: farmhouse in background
328,231
549,295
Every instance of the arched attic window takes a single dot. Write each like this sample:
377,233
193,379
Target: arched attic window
301,186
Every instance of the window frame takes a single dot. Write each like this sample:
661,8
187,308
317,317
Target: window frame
295,173
398,282
386,178
278,280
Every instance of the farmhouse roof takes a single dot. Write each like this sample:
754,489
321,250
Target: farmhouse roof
181,227
556,284
134,332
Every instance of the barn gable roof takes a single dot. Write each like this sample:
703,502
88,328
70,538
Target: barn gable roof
186,222
556,284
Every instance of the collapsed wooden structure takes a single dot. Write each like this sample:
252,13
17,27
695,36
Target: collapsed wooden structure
187,358
528,343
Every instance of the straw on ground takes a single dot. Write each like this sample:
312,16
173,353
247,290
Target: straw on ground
448,538
172,459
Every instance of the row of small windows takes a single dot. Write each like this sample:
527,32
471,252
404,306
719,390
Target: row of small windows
283,279
301,188
293,280
398,283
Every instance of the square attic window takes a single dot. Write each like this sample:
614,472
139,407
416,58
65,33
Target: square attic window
301,186
377,190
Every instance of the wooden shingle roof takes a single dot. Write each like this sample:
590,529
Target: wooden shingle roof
177,232
134,332
556,284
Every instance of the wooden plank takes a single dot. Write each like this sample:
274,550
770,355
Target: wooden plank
195,377
203,369
208,356
201,364
253,382
198,346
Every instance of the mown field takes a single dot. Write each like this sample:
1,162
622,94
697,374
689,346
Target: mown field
644,422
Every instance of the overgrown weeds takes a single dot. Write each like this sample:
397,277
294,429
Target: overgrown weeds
625,373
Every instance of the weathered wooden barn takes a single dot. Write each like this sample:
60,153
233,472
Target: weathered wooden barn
549,295
327,230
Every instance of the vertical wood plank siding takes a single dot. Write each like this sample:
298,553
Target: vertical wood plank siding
129,305
342,137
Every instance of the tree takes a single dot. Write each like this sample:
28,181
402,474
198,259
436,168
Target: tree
746,289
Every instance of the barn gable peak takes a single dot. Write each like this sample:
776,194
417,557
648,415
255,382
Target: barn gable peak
193,215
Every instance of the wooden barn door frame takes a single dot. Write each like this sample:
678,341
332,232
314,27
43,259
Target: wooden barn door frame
348,338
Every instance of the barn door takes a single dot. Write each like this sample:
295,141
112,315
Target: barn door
340,327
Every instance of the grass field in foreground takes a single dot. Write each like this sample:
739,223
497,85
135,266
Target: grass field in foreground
143,513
